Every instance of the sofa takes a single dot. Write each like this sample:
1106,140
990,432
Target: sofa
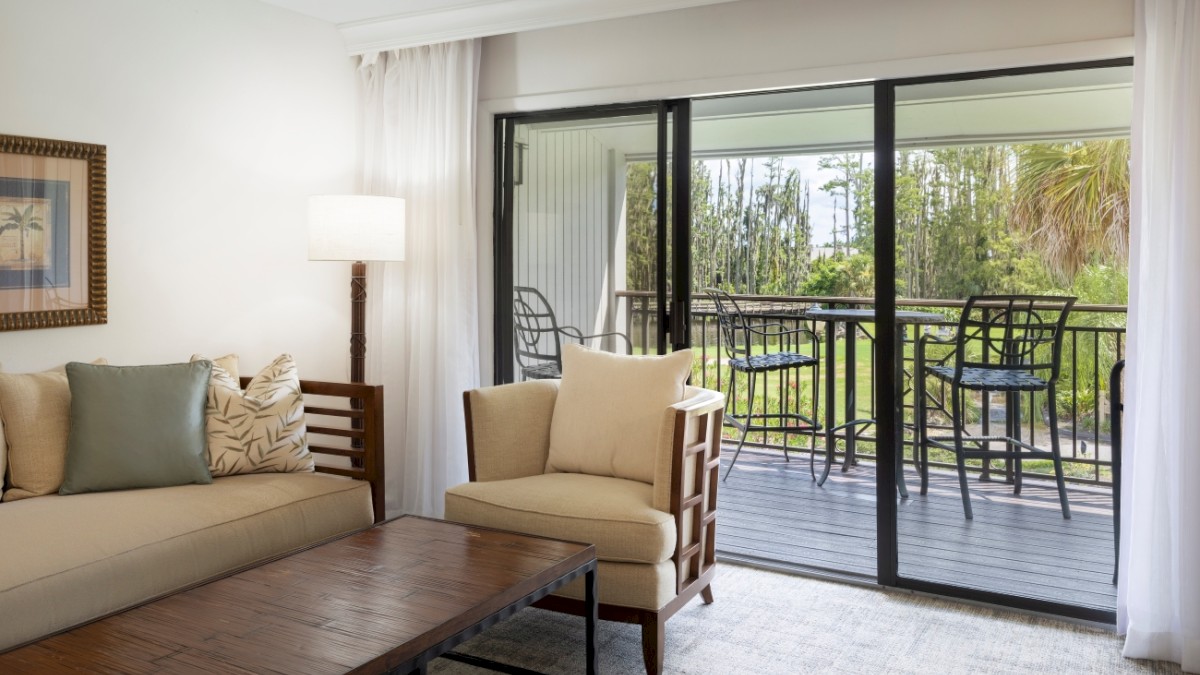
67,559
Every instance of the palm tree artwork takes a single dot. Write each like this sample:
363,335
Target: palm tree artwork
23,222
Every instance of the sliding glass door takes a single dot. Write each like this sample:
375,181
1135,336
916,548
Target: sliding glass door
585,236
782,223
852,224
1011,185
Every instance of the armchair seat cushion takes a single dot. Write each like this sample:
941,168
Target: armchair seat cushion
614,514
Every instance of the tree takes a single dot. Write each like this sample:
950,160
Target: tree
1072,200
641,225
23,222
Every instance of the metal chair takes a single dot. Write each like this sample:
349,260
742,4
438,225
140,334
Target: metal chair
738,335
1005,343
537,337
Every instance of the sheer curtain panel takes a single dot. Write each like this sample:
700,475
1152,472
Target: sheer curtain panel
418,136
1159,591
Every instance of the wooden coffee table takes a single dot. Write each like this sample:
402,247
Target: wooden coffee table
386,600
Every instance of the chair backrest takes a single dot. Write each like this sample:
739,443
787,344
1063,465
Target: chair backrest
733,325
535,329
1012,332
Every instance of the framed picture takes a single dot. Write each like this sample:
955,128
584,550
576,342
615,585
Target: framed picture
53,260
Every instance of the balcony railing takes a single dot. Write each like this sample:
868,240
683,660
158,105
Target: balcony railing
1094,342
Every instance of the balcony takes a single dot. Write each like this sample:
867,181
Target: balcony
773,513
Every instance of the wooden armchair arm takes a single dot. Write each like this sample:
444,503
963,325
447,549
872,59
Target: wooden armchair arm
508,429
689,488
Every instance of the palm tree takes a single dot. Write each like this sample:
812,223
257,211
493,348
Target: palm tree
1073,201
23,222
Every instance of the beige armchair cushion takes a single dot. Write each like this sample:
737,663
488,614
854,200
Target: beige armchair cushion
608,416
613,513
629,585
510,428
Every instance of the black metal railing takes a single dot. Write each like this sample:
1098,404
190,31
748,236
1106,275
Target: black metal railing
1094,342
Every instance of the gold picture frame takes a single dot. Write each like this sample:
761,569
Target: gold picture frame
53,231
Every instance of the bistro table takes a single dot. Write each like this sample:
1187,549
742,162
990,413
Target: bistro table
852,318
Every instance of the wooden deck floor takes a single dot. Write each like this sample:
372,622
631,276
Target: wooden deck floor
772,511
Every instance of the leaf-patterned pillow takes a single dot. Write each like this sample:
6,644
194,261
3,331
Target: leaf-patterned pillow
261,429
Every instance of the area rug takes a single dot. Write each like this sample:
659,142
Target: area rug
765,622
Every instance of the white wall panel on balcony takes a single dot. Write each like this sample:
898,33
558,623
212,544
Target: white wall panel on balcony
563,225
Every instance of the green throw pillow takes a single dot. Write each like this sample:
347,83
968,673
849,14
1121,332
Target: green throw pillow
136,427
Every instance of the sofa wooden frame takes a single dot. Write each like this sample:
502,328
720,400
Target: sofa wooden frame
362,442
694,557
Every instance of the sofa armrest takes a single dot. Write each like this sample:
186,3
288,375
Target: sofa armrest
686,479
508,429
363,408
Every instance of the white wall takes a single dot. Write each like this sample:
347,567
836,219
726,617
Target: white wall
764,44
220,117
757,44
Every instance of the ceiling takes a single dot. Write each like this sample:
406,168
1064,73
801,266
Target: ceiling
1041,107
371,25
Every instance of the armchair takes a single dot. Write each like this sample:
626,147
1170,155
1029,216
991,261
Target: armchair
654,536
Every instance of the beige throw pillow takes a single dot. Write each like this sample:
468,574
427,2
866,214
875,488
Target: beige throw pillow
229,363
3,461
610,409
259,430
36,412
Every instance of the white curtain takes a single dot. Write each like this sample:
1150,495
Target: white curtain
418,139
1159,591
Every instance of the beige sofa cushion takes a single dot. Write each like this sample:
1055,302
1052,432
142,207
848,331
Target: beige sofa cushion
36,409
69,559
609,411
613,513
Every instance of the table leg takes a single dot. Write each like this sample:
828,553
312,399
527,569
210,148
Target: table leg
590,618
900,443
830,391
851,408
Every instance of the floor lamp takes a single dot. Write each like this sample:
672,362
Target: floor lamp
358,228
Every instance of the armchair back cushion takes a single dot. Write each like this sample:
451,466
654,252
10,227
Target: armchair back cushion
608,417
510,429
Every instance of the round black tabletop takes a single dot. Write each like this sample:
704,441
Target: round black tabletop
868,315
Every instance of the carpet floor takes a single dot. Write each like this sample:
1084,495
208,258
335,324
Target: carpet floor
766,622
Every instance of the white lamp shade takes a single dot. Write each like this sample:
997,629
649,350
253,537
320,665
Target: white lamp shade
355,227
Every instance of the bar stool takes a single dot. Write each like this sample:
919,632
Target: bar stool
1005,343
786,365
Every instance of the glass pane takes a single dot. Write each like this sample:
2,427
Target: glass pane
782,222
584,259
1013,186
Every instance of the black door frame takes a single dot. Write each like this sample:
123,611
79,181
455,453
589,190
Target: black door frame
673,145
887,405
677,321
